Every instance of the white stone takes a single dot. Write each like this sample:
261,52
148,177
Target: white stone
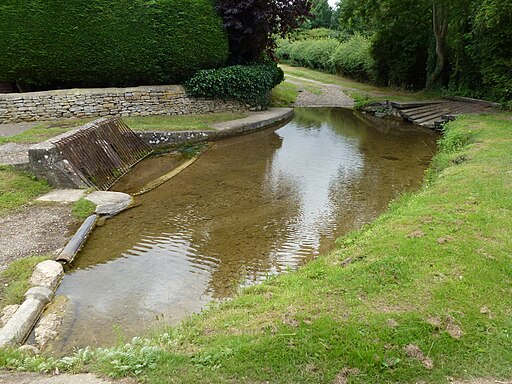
18,327
47,274
110,203
29,349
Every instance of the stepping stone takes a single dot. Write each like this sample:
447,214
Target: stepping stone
110,203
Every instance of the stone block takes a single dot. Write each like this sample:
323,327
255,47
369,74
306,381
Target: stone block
47,274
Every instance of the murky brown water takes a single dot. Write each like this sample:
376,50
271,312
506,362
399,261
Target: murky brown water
250,207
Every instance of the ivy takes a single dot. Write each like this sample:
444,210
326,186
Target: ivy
249,84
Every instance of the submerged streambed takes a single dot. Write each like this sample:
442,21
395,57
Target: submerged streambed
250,207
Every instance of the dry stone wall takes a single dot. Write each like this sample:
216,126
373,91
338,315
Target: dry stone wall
83,103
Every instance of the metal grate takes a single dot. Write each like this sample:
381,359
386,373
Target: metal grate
104,152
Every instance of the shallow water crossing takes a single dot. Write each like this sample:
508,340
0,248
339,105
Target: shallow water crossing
250,207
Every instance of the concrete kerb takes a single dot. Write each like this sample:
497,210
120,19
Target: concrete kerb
255,121
48,275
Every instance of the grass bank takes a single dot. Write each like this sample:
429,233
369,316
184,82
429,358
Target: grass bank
49,129
360,92
18,188
14,280
422,294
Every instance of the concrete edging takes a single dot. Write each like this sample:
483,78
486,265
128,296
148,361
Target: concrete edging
255,121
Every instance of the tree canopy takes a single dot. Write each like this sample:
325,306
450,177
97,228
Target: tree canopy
252,24
462,45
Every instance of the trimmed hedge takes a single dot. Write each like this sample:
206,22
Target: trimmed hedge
249,84
352,57
54,44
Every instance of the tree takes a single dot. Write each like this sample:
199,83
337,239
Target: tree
252,24
322,14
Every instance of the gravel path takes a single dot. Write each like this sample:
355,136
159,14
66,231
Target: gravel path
33,230
15,128
324,95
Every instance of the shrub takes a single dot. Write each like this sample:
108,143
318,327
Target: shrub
55,44
297,56
249,84
354,58
317,53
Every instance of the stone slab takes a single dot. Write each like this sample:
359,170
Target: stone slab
47,274
110,203
14,154
19,326
63,196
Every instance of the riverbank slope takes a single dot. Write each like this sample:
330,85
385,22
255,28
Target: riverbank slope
422,294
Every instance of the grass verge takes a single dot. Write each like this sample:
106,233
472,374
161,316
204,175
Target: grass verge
47,130
14,279
44,131
284,94
180,123
18,188
420,295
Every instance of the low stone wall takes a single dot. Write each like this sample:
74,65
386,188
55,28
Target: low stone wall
83,103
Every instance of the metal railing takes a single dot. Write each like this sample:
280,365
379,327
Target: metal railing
104,152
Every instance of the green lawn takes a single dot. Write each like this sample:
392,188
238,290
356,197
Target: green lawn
284,94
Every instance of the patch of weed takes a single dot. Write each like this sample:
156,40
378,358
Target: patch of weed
83,208
15,279
18,188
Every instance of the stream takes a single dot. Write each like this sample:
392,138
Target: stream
252,206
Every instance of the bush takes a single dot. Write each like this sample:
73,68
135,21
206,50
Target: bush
55,44
249,84
354,58
318,53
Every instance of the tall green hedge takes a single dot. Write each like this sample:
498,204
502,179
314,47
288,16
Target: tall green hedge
352,57
54,43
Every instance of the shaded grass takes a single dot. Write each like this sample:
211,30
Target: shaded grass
18,188
284,94
435,271
49,129
15,278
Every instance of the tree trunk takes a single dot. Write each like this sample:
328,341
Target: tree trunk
440,28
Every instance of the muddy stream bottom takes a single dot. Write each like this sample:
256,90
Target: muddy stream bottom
250,207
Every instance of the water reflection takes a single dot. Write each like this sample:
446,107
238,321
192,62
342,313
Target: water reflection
251,206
